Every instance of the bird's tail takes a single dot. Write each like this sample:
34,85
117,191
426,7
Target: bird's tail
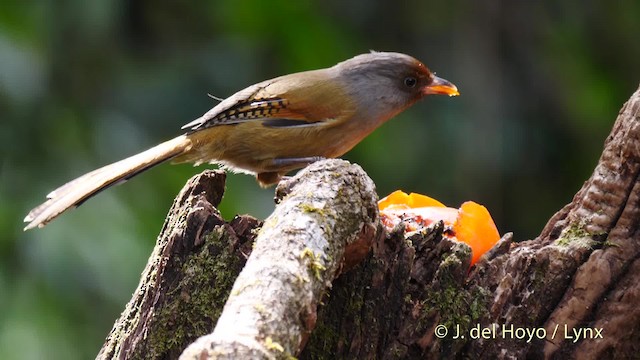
77,191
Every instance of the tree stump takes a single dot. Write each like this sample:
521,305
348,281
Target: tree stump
325,281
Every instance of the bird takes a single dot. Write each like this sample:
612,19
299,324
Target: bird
273,127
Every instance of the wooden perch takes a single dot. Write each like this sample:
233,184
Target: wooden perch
573,292
299,251
187,278
322,225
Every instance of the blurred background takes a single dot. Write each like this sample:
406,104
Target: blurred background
86,83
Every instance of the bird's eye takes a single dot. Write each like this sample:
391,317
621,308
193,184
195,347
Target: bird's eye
410,81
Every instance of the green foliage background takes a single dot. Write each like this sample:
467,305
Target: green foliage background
85,83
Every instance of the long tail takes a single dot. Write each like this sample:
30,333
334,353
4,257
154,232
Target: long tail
75,192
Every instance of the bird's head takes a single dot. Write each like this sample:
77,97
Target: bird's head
385,83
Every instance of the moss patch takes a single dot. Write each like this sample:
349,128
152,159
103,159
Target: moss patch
209,276
576,235
315,265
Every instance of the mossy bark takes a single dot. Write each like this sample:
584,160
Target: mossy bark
573,292
325,215
187,278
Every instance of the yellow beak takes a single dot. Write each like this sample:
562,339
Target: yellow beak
440,86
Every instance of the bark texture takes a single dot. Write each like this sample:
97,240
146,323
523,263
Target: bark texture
573,292
187,278
323,225
299,251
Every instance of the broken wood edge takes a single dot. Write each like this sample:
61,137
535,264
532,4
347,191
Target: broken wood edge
326,211
565,279
600,227
187,278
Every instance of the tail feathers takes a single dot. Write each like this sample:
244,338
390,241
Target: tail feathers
75,192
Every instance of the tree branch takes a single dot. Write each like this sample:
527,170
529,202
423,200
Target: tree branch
297,254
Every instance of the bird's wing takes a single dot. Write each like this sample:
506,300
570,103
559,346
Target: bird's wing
284,101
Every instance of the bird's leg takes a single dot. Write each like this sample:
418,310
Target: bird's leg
294,163
266,179
281,166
